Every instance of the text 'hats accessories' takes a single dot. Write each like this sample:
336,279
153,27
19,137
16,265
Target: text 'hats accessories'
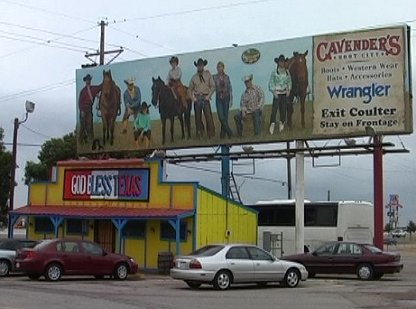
87,77
200,61
281,58
130,80
174,59
248,77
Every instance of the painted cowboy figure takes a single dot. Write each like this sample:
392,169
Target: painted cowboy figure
173,80
223,98
132,98
201,88
252,102
280,84
85,103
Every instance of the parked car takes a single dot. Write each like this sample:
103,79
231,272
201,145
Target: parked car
389,240
8,248
222,265
365,260
399,233
56,257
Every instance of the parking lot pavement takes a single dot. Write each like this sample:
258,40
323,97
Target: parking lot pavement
152,290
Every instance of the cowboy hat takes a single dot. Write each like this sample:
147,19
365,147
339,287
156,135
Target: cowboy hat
200,62
248,77
174,59
87,77
130,80
281,58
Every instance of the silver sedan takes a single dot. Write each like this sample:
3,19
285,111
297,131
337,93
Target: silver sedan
222,265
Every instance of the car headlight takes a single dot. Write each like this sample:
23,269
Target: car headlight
132,260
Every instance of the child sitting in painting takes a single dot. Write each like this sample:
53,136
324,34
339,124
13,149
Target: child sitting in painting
142,131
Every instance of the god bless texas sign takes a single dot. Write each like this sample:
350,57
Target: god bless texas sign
130,184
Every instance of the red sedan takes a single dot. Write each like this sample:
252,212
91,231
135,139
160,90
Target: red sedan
56,257
367,261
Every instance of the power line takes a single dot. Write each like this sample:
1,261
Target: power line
52,40
140,38
40,43
210,8
36,132
47,11
31,37
24,144
36,90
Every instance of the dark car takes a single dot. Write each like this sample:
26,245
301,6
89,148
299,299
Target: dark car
56,257
8,248
365,260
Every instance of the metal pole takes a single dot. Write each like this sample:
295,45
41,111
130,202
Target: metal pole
225,182
289,173
102,24
300,199
225,170
12,177
378,192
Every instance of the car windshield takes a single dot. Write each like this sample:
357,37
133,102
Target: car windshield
373,249
207,251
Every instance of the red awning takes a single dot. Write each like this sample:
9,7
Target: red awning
101,212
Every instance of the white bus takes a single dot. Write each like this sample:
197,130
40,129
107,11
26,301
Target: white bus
324,221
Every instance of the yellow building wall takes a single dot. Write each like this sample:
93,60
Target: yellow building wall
219,221
135,248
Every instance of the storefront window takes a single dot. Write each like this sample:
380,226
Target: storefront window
167,232
43,225
134,229
76,227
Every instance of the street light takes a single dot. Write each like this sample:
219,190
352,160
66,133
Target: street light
30,107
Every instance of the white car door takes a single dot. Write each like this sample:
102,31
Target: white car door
240,263
266,267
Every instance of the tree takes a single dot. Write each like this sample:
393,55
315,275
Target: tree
411,227
52,151
5,167
65,148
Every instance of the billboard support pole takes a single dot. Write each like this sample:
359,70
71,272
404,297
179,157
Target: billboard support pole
289,173
378,191
300,199
225,170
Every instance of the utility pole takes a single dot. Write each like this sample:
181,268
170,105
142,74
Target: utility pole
102,52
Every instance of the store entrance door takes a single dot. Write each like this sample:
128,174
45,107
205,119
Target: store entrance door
104,234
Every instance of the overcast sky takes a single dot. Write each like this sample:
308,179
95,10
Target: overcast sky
43,42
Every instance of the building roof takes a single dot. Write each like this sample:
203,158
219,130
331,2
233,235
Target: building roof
102,212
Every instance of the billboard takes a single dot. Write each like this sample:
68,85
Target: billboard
321,87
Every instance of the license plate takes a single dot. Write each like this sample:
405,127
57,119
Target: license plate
182,265
17,265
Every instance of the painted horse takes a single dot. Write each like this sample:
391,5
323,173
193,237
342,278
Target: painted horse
109,104
169,108
299,74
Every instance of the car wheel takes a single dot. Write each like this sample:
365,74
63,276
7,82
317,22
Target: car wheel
222,280
365,272
193,284
53,272
121,271
33,276
4,268
292,278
